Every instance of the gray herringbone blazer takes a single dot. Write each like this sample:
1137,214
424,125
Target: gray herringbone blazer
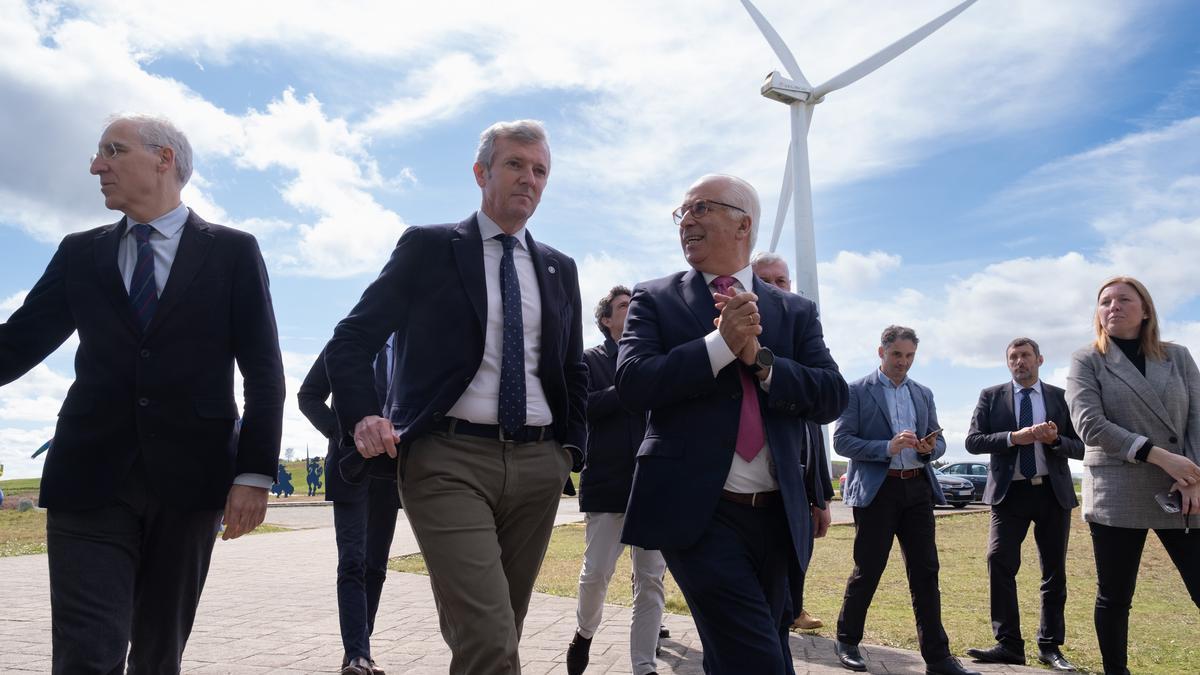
1114,407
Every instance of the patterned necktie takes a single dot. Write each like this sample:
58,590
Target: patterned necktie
511,413
1028,461
750,438
143,293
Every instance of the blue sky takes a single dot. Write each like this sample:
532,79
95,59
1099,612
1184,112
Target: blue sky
979,187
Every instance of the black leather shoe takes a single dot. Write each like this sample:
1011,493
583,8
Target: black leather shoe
577,654
850,657
1054,658
997,654
948,666
663,632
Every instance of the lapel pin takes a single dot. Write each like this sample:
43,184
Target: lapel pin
551,269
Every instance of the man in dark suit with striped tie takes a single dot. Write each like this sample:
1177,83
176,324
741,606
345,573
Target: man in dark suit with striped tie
488,395
164,304
1026,428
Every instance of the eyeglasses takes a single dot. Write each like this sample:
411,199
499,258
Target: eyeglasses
700,208
110,151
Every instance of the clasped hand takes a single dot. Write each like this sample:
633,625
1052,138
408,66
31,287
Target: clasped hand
739,324
1045,433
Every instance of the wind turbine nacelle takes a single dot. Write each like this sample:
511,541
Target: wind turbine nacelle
778,88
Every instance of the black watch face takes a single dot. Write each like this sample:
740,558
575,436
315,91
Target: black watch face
765,358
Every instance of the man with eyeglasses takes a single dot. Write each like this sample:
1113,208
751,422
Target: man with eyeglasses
164,304
486,412
727,367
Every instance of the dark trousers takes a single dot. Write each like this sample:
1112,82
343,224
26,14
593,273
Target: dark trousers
1023,504
1118,552
363,529
735,581
902,509
126,576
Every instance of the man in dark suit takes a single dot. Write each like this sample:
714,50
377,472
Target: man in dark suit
614,435
890,434
728,368
364,519
488,395
1026,427
148,452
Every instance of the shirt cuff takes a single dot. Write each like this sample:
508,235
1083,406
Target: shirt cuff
765,383
719,355
1010,440
257,480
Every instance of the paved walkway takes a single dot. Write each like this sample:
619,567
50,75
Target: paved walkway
256,617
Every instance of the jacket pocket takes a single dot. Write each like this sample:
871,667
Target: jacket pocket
216,409
657,446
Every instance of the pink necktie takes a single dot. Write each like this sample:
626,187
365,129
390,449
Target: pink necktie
750,438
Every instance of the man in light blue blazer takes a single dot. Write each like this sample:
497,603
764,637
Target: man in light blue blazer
890,433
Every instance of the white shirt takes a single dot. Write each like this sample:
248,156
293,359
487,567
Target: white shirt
757,475
481,400
164,243
1039,415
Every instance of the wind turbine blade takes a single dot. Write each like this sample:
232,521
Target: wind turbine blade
785,198
888,53
777,44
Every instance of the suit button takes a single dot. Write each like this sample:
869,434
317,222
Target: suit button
1173,439
437,416
145,353
143,402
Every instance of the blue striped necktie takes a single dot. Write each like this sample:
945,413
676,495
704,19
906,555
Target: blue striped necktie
1028,461
511,412
143,293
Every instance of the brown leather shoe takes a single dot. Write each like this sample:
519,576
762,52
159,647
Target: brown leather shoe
806,621
357,666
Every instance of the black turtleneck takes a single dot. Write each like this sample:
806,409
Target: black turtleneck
1133,351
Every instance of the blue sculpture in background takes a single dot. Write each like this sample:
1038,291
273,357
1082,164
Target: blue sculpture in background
314,476
283,483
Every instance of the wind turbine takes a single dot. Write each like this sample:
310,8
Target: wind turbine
801,97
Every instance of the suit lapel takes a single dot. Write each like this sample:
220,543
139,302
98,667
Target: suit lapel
468,256
106,248
1006,406
194,244
876,389
1128,373
549,271
699,300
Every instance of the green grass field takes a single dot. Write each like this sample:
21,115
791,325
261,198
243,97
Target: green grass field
1164,623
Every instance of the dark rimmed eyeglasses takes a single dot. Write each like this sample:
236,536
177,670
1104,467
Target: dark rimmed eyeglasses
110,151
700,208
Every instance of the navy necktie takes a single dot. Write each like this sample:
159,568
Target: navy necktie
511,412
143,293
1028,461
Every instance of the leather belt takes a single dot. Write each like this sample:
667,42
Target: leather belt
525,434
903,474
759,500
1036,480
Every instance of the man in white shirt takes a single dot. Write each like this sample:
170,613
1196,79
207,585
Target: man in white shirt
488,395
727,368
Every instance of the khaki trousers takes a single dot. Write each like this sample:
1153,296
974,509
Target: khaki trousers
482,512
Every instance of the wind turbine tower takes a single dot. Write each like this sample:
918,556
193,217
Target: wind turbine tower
801,97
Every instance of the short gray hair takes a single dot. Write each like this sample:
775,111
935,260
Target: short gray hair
766,258
162,132
742,195
893,334
521,131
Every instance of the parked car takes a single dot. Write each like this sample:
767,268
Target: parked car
976,472
958,490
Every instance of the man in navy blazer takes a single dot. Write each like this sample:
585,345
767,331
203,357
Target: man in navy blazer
890,434
1040,447
148,453
729,369
488,395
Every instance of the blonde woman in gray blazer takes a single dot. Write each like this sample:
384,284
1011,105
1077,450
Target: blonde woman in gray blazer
1135,401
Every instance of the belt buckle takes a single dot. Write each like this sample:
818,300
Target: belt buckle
1036,480
754,499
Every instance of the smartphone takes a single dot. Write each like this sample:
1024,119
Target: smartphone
1171,502
932,435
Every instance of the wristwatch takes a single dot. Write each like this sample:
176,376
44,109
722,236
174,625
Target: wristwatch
763,360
